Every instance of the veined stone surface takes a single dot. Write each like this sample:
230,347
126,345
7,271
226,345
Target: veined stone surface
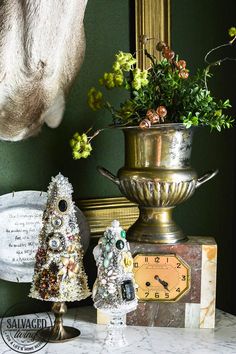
144,340
208,286
195,309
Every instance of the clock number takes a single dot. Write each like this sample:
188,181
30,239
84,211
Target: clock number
166,295
157,259
167,260
135,264
146,259
178,290
157,295
178,265
146,294
183,277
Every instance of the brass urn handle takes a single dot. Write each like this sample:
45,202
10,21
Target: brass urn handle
209,175
108,175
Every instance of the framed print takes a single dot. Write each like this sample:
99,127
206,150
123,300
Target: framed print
152,19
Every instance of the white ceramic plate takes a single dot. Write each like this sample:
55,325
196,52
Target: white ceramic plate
20,224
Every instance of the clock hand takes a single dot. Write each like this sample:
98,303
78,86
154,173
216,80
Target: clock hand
162,282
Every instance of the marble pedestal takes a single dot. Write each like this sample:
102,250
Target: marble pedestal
196,309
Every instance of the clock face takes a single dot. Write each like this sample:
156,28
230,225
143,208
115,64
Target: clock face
161,277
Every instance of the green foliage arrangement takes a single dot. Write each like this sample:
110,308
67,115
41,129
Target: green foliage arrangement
165,93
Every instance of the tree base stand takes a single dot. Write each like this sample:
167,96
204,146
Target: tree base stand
58,333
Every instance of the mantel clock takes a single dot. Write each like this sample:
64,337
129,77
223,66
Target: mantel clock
176,283
162,277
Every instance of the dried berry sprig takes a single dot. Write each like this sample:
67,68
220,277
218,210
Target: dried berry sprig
169,54
153,117
164,93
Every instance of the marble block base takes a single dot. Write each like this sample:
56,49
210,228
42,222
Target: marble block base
196,309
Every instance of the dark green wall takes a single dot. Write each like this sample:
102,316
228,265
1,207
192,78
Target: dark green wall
196,27
30,164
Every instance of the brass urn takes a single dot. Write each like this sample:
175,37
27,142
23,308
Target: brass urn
157,176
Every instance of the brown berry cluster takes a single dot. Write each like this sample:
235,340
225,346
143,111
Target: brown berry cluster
154,116
167,53
47,284
170,55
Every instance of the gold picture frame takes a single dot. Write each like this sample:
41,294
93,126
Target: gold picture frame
152,19
101,212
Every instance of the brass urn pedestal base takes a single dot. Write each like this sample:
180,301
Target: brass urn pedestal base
58,333
155,225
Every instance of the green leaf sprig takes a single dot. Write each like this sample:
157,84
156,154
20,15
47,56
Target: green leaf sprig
165,93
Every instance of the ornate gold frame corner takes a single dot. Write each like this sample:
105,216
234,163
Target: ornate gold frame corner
152,19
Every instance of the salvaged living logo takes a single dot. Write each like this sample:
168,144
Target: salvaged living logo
20,333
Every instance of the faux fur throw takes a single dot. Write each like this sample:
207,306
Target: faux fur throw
41,50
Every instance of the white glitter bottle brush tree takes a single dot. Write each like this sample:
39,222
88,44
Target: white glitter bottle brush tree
59,274
114,291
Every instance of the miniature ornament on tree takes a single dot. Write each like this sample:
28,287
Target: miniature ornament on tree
59,274
114,289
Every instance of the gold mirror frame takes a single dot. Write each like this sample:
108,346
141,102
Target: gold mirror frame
152,19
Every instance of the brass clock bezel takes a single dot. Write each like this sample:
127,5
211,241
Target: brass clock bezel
180,259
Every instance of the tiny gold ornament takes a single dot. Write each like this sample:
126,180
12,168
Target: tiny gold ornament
127,261
69,267
71,248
